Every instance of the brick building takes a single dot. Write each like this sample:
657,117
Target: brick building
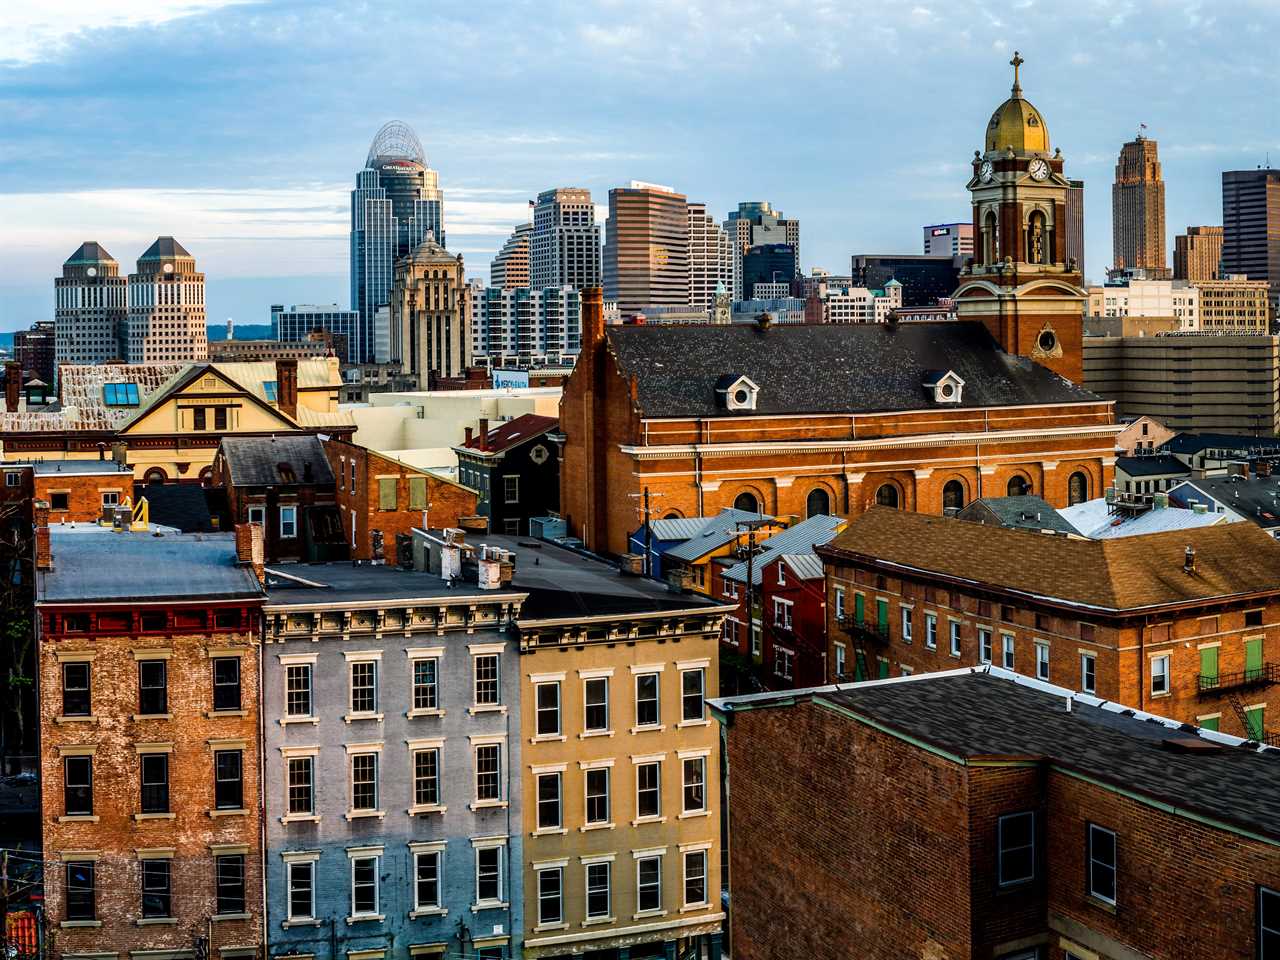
1186,623
148,668
77,491
981,814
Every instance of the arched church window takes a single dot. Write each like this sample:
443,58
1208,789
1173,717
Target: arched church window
818,503
953,495
746,501
887,496
1077,488
1018,486
1037,238
990,238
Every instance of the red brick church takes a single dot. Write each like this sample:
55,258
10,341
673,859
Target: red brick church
802,419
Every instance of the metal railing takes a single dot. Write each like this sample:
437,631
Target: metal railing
1212,684
868,631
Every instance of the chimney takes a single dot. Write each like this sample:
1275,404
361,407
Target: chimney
44,551
484,433
592,318
469,433
249,548
287,387
12,385
1189,560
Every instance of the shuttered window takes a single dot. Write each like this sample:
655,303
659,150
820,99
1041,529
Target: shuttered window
417,493
386,493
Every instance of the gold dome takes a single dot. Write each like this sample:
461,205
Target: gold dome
1016,123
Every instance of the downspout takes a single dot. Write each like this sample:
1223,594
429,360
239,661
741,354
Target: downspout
262,785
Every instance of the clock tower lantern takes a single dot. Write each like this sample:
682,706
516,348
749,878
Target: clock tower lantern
1020,283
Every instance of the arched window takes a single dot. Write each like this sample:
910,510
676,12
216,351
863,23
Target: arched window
206,477
953,495
887,496
1077,488
1038,238
746,501
990,238
673,515
818,503
154,475
1018,486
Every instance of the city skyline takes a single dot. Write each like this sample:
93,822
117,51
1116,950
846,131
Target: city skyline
262,201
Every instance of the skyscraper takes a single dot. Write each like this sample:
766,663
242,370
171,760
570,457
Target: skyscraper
396,203
564,247
430,307
710,258
755,223
1137,209
1251,226
510,268
91,307
1197,254
1075,224
166,306
646,250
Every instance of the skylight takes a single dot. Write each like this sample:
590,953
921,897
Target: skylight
120,394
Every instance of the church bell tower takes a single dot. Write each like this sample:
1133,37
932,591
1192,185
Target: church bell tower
1020,284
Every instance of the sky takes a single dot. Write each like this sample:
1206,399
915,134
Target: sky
238,126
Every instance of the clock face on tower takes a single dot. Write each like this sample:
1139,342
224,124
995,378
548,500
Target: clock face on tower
986,171
1038,169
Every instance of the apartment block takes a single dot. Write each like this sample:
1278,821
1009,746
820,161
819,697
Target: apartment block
510,268
564,247
524,326
711,259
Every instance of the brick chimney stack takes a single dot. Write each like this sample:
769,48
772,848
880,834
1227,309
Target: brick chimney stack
287,387
249,548
592,317
468,435
44,551
484,433
12,385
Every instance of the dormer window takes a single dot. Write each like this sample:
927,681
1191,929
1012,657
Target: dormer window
736,392
945,386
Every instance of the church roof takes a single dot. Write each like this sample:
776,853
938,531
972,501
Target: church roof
827,368
1016,123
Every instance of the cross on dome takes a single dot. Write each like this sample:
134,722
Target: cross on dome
1016,62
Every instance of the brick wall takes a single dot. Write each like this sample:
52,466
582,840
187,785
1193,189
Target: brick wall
83,494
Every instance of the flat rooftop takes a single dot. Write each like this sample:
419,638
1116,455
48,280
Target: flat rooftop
990,712
82,468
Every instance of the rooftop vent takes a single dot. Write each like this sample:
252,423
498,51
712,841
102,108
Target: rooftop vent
1189,559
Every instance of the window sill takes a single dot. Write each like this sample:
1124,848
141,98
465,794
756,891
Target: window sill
155,816
595,826
1100,904
79,818
548,738
286,924
428,912
352,717
650,728
215,714
549,832
75,719
690,814
639,821
694,907
432,712
1160,696
597,921
300,818
488,708
645,914
219,917
155,921
549,927
242,812
487,805
704,722
490,905
285,721
151,716
366,917
595,733
365,815
426,808
73,924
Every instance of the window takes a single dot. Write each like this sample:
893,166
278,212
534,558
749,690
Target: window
489,875
81,891
1268,924
841,660
695,878
353,475
955,637
1017,487
839,602
695,784
931,631
548,709
288,522
364,686
887,496
110,498
301,786
1159,675
258,515
12,479
157,888
77,786
426,777
746,502
598,890
1077,489
511,489
648,884
75,689
692,684
647,712
229,886
595,693
426,880
387,499
550,896
155,782
1101,857
781,610
486,679
984,645
270,390
783,662
298,702
906,625
425,684
417,493
228,783
952,495
153,687
489,772
548,801
226,683
818,503
1017,848
1042,661
648,790
1088,673
199,418
1253,618
302,890
597,780
220,418
364,886
364,781
1006,646
59,501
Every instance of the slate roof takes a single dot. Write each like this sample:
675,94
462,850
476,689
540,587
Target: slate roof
1125,573
91,252
1159,466
164,248
1026,512
995,713
513,432
188,507
1253,498
827,368
255,461
96,564
1196,442
1095,520
795,541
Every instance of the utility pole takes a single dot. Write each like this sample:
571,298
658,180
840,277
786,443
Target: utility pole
648,532
751,526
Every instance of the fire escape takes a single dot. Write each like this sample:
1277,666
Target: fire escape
867,637
1230,686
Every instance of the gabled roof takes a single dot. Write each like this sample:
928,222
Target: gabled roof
1095,520
1160,466
1253,498
685,528
258,461
506,435
1125,573
1027,512
826,368
722,530
793,544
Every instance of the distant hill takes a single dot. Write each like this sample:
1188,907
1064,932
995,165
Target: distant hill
243,331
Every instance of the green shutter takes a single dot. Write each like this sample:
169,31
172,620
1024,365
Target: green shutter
1209,723
1253,658
860,665
1208,667
386,493
882,614
417,493
884,669
859,607
1256,725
